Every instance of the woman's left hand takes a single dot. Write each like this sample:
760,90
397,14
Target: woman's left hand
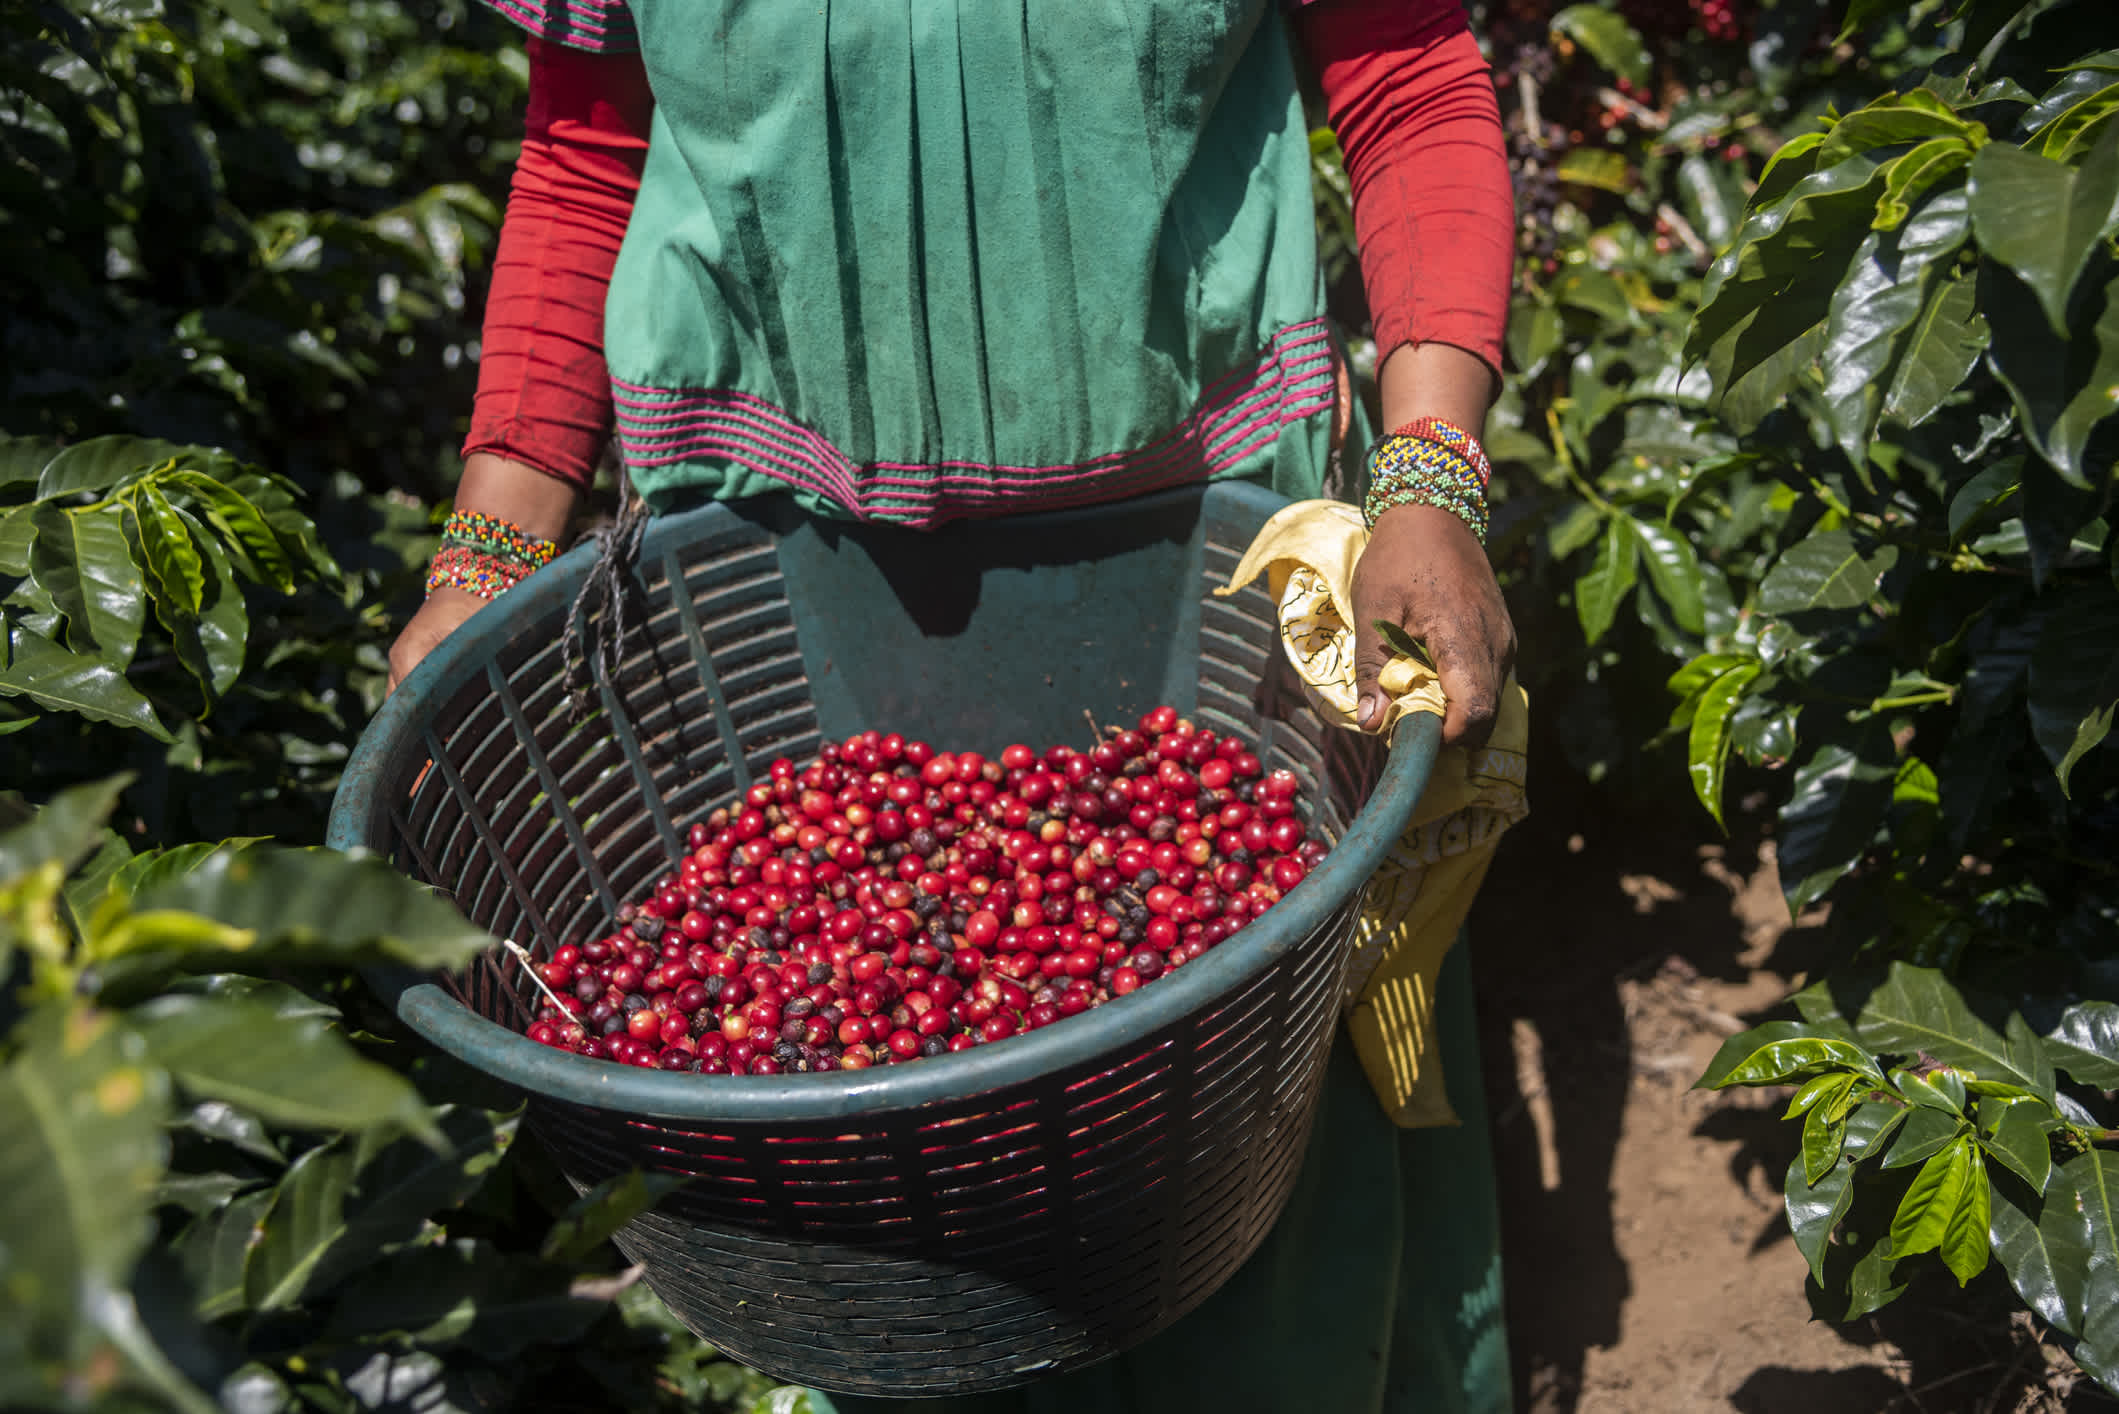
1425,571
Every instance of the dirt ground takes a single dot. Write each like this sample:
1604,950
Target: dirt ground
1648,1264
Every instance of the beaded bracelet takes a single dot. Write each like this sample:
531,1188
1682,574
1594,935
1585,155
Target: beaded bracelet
1410,469
474,572
495,536
485,555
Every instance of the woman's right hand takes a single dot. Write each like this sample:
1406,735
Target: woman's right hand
534,502
435,621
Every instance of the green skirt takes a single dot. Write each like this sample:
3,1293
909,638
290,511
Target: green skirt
1378,1292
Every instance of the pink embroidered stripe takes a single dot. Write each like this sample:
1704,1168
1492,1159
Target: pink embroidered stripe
600,25
1238,417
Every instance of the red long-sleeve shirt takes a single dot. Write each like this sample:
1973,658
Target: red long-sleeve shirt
1409,94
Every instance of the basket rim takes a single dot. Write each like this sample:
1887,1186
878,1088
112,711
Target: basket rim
499,1051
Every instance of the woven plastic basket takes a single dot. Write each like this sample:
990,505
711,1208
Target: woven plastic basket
975,1220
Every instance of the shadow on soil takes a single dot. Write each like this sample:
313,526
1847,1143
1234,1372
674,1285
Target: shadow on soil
1554,933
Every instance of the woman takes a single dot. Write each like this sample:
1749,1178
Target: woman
932,262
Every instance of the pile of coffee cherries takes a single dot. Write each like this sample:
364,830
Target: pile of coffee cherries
889,901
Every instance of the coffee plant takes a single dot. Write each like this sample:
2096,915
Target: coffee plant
1810,406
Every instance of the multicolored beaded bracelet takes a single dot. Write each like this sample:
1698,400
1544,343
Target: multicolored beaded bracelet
495,536
1450,435
485,555
1412,470
474,572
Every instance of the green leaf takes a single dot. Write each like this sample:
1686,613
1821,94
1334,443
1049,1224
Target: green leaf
2086,1043
1917,1010
1777,1052
1674,570
1929,1209
1909,177
1598,167
23,459
2015,1134
2075,678
1814,1209
157,866
1939,353
1869,1285
609,1206
214,1250
1825,571
1870,1125
338,1208
1964,1241
1607,38
1917,1089
466,1293
101,463
81,559
2061,390
1610,578
1824,1133
2079,1222
1871,311
244,526
1820,1091
1766,298
2013,1228
319,905
1926,1131
63,832
1973,503
92,687
1707,745
1840,794
1597,291
84,1152
1401,643
212,642
296,1072
167,550
2043,219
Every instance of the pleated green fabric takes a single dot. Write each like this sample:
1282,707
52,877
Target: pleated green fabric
923,261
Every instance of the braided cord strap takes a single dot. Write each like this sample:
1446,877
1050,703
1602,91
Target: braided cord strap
1430,462
485,555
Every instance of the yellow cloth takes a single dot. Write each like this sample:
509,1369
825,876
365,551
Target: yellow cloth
1417,901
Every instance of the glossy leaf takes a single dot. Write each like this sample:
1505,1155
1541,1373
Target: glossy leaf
1776,1053
1876,304
62,832
167,550
2074,682
1824,1135
1839,797
2086,1043
2014,1231
1918,1010
1919,1091
1814,1209
244,526
1707,746
2079,1222
293,1071
1611,578
1929,1209
215,1249
2043,219
35,667
339,1207
81,560
100,463
1964,1248
1674,570
2016,1135
1825,571
1870,1126
1923,1133
1975,502
1910,177
212,642
1940,351
2061,390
